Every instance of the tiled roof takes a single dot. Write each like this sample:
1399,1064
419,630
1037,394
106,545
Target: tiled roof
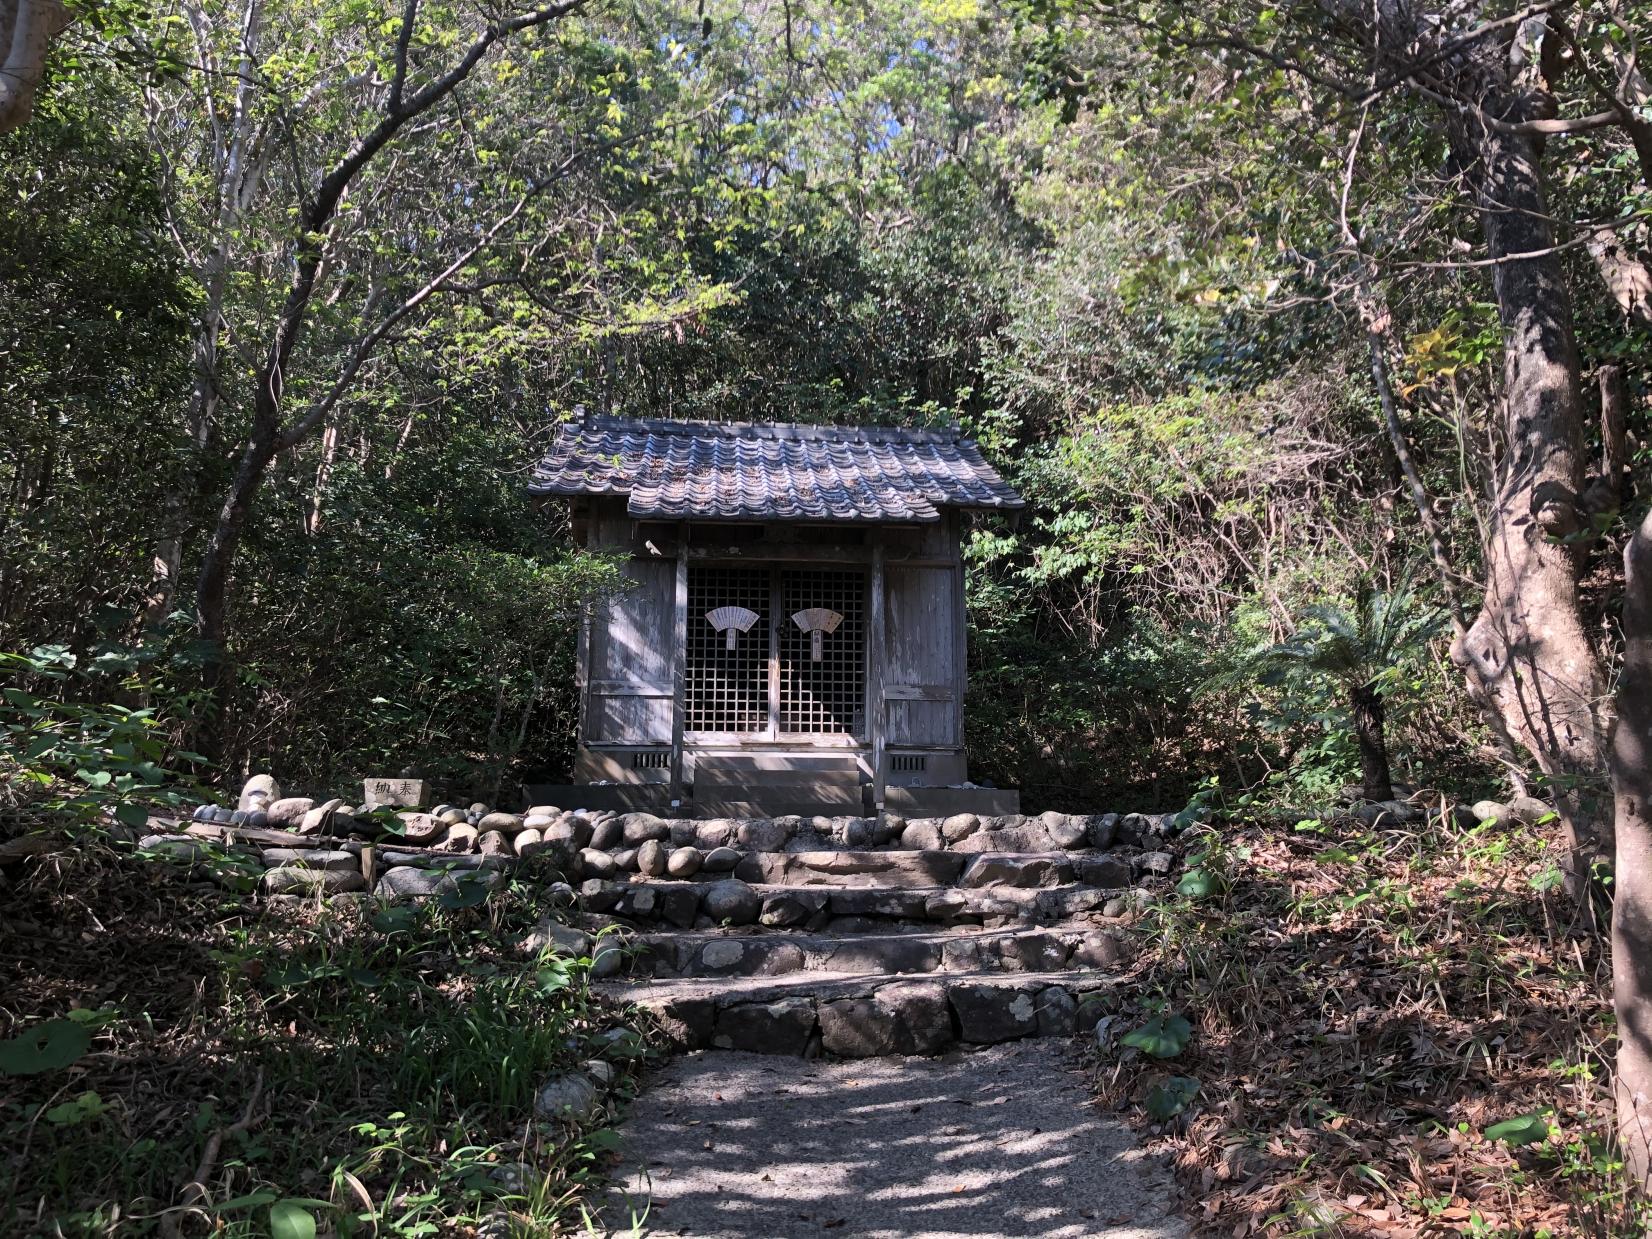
734,471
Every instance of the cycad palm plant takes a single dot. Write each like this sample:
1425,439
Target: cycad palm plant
1361,648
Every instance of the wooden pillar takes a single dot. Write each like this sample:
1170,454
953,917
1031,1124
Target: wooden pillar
679,664
776,602
960,636
876,708
582,662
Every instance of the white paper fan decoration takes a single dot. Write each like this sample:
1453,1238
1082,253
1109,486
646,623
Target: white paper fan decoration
817,621
732,621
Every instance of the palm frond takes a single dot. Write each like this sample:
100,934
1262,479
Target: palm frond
1356,642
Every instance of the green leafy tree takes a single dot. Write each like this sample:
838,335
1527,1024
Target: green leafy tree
93,322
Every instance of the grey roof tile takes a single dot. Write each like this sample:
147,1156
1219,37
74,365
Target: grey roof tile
734,471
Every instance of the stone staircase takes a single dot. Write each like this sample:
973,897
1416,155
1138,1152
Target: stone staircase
868,936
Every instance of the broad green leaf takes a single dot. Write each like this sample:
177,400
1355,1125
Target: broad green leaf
50,1046
551,979
1521,1130
1163,1036
93,1017
290,1220
394,919
1198,884
129,814
1165,1101
73,1113
604,1138
467,892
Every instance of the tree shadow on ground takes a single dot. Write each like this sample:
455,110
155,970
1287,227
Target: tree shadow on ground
1000,1141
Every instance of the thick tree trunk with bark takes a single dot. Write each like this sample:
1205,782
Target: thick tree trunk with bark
27,28
1632,878
1376,778
1528,654
1614,436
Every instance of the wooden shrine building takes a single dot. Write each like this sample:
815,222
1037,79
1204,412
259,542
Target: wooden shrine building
794,638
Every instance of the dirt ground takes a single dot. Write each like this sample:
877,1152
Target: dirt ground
1000,1141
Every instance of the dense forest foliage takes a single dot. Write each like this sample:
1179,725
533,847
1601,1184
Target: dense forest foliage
1129,256
1316,335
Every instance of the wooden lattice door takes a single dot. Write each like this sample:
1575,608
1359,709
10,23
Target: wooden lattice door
775,677
824,695
726,689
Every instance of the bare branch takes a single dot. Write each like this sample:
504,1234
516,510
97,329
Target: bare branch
319,215
403,38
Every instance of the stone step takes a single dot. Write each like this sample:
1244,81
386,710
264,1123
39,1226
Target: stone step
890,867
852,909
777,952
847,868
859,1015
766,769
788,801
978,870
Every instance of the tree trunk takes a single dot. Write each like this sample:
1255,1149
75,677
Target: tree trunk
212,587
1626,277
323,474
1632,877
1528,655
1376,779
1614,434
27,28
238,173
269,435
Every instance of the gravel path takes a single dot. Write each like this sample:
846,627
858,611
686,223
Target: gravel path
1000,1141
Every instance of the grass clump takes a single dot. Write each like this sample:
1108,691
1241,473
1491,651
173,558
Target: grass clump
262,1069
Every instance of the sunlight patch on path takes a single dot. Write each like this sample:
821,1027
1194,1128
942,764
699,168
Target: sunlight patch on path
997,1142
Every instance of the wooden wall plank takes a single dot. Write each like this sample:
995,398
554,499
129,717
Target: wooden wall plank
632,658
920,656
775,604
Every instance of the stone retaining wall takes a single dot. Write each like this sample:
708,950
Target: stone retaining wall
309,846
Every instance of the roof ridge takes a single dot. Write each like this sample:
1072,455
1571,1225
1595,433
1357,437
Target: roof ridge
952,433
776,470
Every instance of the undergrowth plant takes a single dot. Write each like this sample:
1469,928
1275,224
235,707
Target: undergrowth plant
1341,1028
1360,649
70,756
359,1070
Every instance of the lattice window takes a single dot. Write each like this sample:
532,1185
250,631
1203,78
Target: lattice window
828,696
908,763
727,690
